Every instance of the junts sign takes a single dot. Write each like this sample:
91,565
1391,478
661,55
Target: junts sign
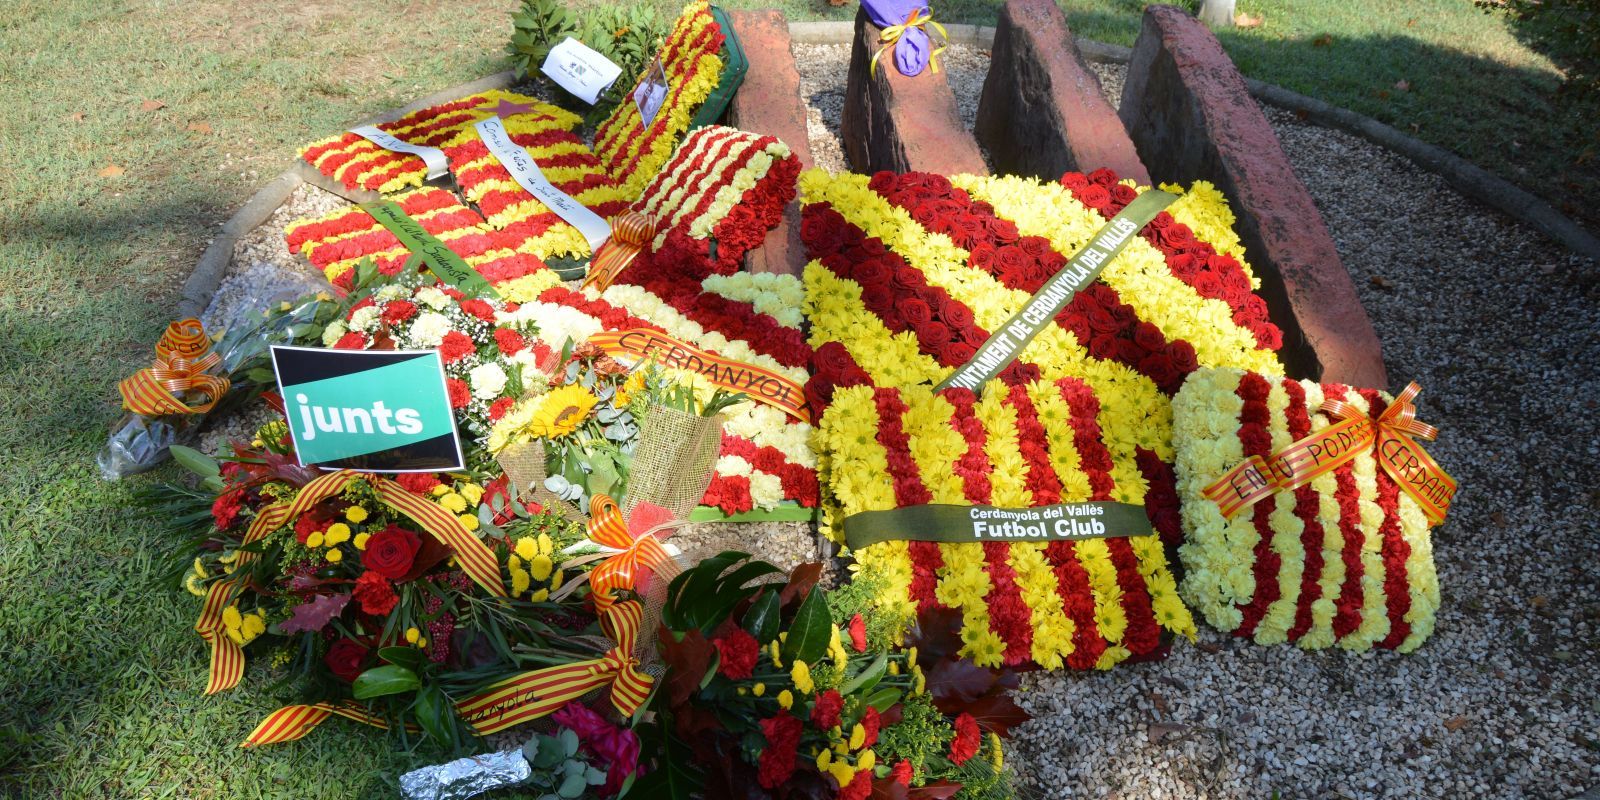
370,410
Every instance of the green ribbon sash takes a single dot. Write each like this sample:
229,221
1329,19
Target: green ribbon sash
1005,344
441,259
950,523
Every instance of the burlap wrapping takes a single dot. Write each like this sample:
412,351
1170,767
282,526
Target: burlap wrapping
673,463
524,464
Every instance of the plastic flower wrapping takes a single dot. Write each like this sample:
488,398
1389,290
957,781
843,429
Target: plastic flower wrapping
1345,560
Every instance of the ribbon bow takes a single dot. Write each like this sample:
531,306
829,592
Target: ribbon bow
183,359
631,232
534,694
621,571
1390,437
891,36
513,701
475,558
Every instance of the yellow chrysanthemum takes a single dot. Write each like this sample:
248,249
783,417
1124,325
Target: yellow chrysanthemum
472,492
527,548
785,699
801,675
355,514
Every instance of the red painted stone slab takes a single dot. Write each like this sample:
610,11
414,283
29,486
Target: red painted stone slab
769,102
1187,109
898,123
1042,112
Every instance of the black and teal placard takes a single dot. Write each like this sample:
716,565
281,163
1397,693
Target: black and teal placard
370,410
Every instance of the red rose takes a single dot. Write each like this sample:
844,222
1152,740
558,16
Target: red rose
960,352
1207,284
1149,337
928,214
1012,262
907,279
1101,320
832,360
1161,370
739,651
968,737
344,659
374,594
1094,196
456,346
934,335
1003,231
915,311
460,395
1123,193
1103,176
1103,345
825,711
955,314
983,256
398,311
390,552
351,341
873,274
881,180
1036,246
1182,355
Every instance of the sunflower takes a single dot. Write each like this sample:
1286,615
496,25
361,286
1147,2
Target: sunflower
561,412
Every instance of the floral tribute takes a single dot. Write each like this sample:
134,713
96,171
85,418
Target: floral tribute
1345,560
564,160
783,689
337,242
633,152
716,199
356,163
1083,604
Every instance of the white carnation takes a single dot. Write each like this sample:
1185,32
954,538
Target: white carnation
364,319
333,333
766,490
732,466
429,329
431,297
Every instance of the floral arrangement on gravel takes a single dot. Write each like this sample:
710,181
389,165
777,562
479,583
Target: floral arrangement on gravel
784,689
716,199
337,242
357,163
1344,560
1080,604
633,152
564,160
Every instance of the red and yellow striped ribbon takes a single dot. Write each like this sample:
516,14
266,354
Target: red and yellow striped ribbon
631,232
511,702
1391,437
620,571
475,558
183,357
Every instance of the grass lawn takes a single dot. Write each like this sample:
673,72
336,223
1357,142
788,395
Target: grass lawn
133,128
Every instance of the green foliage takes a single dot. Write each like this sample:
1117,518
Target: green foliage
810,630
700,598
559,770
1566,30
922,736
856,597
627,34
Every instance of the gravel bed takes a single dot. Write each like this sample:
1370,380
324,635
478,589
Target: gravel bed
1502,328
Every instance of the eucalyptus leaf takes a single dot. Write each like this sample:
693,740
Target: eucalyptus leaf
547,751
569,741
573,786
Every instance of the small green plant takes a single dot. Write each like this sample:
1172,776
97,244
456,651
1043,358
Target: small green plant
628,35
559,770
1568,31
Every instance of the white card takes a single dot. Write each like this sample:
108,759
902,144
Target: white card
580,70
651,93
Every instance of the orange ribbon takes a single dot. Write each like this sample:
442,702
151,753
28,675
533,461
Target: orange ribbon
1390,437
512,701
631,233
183,358
474,557
760,384
620,571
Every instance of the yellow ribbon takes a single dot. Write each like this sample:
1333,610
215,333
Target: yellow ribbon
1390,437
183,359
631,233
889,36
512,701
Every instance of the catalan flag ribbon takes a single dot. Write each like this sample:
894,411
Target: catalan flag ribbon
620,571
1390,437
630,234
513,701
180,372
475,558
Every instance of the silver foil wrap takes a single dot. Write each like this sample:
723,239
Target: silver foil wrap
466,777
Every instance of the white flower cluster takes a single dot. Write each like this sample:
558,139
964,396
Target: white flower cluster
777,296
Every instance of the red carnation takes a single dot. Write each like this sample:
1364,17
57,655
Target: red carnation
398,311
417,482
374,594
825,711
858,634
313,521
783,744
500,408
456,346
510,342
859,788
351,341
225,509
460,395
902,772
345,657
965,745
390,552
479,309
871,724
739,652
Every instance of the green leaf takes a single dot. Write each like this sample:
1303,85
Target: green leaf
261,375
433,711
408,657
569,741
811,629
761,621
883,699
385,680
544,752
869,677
573,786
195,461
